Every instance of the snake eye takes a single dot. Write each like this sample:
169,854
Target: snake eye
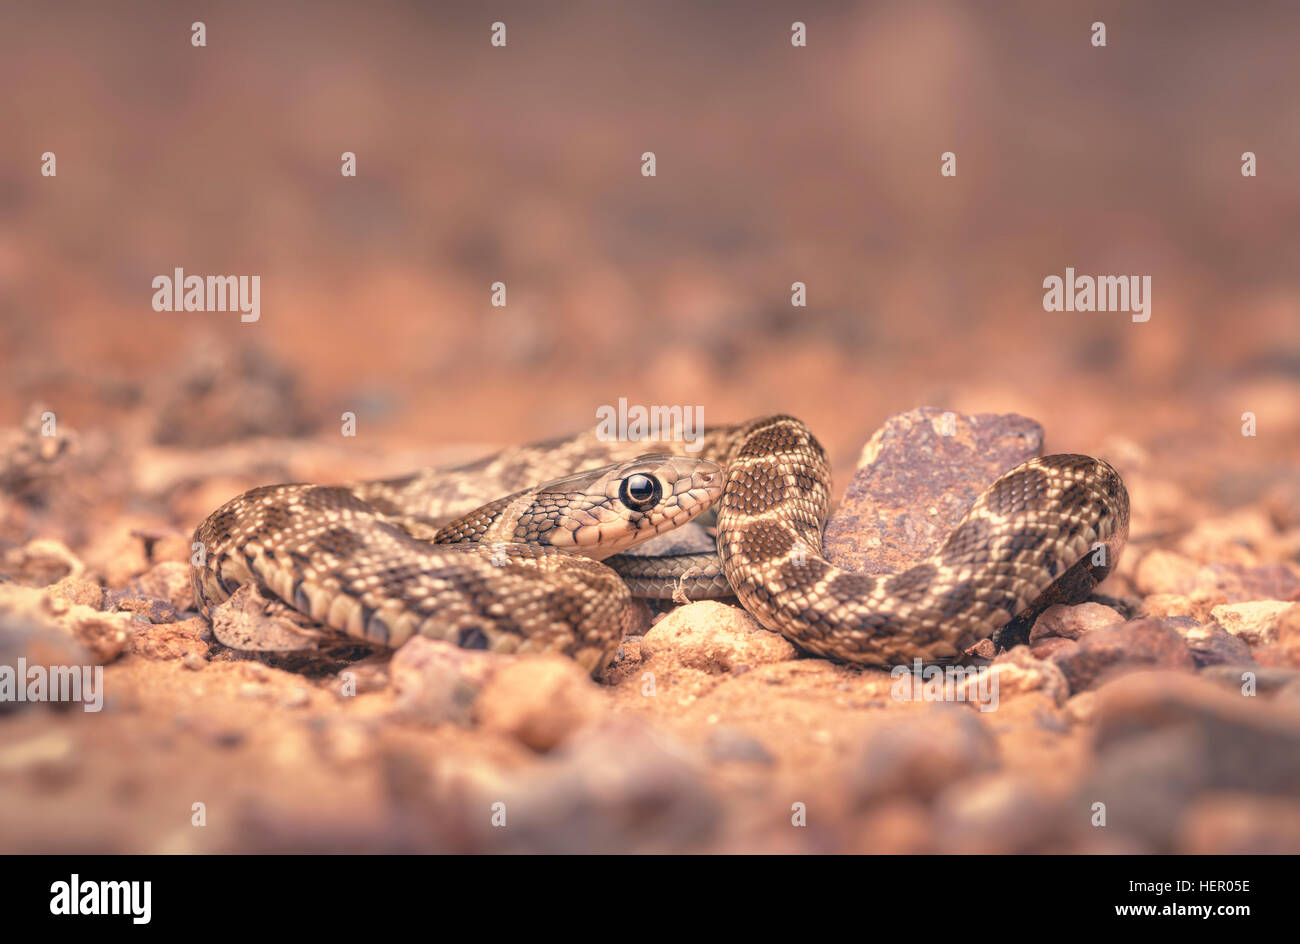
640,492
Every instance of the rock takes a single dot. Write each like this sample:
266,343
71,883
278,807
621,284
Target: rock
1245,536
1072,622
1017,672
78,590
1229,823
1165,572
914,484
1239,583
172,640
918,752
714,638
1166,605
437,682
614,787
1255,623
42,562
1139,644
1081,708
1141,786
1210,643
1164,740
997,814
104,635
168,581
39,643
1049,646
540,701
150,609
1245,743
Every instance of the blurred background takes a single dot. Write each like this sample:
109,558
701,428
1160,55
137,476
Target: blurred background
775,164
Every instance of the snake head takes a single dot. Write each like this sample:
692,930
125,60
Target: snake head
608,510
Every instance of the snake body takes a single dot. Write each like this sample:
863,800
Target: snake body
379,561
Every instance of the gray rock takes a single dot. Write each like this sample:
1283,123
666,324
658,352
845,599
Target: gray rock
914,484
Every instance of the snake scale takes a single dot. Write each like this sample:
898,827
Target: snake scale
521,573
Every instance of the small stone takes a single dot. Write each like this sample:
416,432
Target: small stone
997,814
1018,671
1072,622
1246,742
1166,572
1256,623
1139,644
194,661
1081,708
436,682
613,787
714,638
1049,646
1166,605
1165,739
918,752
42,562
78,590
1210,643
171,640
151,609
170,581
540,701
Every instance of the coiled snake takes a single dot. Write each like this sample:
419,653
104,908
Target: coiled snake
375,560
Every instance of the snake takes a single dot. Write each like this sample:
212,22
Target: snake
434,554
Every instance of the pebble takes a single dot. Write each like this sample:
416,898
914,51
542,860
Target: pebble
1073,622
1138,644
613,787
437,682
1164,739
1210,643
714,638
918,752
1256,623
168,641
540,701
170,581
